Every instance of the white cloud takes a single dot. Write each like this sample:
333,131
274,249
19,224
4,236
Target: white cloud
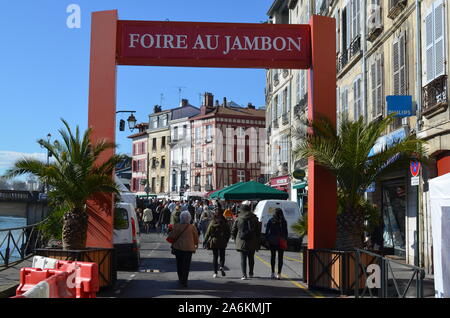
8,158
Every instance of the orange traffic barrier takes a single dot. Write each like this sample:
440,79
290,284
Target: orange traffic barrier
68,280
85,280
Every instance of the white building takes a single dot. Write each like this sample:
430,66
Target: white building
180,149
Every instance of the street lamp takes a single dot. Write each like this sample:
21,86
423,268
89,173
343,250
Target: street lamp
131,120
41,143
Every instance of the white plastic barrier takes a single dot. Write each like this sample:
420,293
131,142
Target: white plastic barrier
44,262
40,290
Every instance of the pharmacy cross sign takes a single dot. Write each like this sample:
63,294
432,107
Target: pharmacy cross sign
203,44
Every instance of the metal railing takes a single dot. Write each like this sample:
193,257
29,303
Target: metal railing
16,244
435,94
387,278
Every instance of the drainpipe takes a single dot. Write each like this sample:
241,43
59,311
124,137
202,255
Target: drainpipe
418,114
364,59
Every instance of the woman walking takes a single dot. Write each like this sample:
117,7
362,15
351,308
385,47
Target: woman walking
276,237
184,238
205,218
216,239
246,233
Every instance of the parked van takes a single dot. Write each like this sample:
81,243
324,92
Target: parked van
126,236
265,210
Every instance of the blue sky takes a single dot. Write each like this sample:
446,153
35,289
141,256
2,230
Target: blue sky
44,67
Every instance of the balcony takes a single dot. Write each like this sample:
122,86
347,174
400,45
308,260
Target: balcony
342,61
198,165
208,187
395,8
347,55
275,124
208,140
209,164
285,73
302,106
197,188
435,98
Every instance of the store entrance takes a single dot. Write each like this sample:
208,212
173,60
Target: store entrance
394,215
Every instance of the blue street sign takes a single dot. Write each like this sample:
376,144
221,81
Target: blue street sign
402,105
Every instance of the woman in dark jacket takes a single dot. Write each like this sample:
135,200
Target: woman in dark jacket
216,239
246,234
276,229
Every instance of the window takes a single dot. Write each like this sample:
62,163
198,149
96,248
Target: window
208,133
197,180
163,142
183,178
376,86
164,121
209,179
435,41
241,175
357,99
209,155
198,156
284,149
285,101
163,162
356,13
153,184
399,65
121,219
198,134
175,133
279,105
162,184
174,181
344,103
154,144
155,122
241,156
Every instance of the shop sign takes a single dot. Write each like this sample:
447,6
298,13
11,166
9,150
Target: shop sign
402,106
201,44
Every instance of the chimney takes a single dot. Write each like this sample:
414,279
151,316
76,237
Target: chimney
184,103
250,106
225,101
208,99
217,103
157,109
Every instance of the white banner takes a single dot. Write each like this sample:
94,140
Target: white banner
440,222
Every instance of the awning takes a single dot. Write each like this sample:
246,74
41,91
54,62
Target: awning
300,185
253,191
215,194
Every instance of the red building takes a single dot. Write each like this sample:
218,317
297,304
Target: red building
228,145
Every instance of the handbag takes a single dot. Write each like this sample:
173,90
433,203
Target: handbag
282,243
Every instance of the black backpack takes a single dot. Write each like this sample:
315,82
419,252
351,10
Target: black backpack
246,230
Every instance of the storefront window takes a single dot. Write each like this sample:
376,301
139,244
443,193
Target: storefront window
394,213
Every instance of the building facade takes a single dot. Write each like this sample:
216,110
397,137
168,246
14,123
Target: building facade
159,153
226,145
384,48
139,160
180,149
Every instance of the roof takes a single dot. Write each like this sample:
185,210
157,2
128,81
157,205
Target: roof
184,112
232,111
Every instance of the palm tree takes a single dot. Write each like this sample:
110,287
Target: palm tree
347,153
74,177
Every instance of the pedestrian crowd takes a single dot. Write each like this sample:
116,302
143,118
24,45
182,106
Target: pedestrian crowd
185,223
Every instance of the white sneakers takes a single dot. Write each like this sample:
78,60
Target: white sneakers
215,276
244,277
278,276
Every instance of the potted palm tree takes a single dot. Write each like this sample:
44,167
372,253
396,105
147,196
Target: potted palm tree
73,177
346,151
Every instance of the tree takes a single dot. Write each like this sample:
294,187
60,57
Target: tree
74,177
346,153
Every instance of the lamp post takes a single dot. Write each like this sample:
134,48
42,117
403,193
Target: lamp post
41,143
131,120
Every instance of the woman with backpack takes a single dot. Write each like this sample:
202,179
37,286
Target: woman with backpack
246,234
216,239
276,237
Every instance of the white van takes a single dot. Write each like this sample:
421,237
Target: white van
126,236
265,210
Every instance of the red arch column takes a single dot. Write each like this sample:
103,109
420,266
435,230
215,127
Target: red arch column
322,188
102,116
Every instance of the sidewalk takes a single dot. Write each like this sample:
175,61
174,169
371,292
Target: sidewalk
9,278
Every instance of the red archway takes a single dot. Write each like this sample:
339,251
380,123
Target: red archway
288,46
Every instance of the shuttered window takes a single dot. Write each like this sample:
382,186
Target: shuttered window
376,86
435,41
399,65
357,99
344,103
356,13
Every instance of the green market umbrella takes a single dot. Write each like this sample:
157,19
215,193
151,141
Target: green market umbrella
252,191
215,195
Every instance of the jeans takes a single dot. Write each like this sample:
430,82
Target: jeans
273,253
183,265
164,228
250,255
216,253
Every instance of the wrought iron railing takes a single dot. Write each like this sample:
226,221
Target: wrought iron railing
435,94
387,278
395,8
16,244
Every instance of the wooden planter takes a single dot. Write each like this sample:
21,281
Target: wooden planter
104,257
333,270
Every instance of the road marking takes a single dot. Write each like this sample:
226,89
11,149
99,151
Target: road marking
293,259
315,295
